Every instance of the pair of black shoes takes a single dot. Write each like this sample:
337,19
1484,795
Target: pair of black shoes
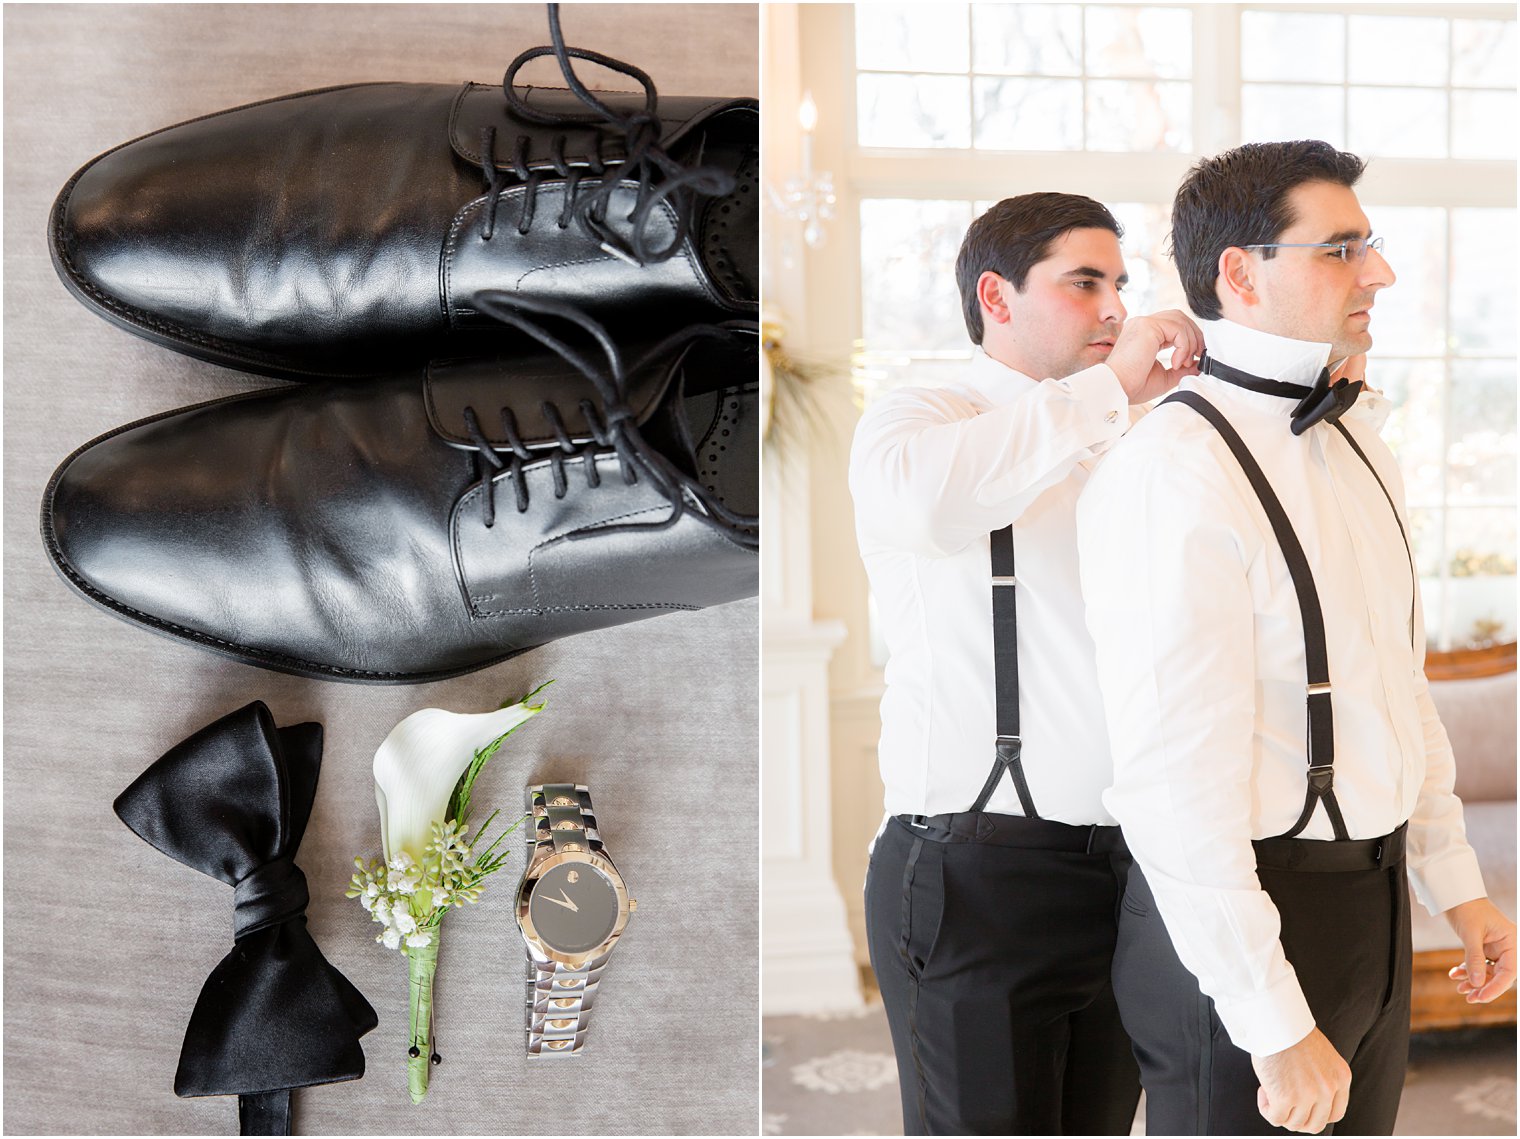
528,316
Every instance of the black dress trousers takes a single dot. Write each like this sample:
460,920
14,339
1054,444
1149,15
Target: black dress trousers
1346,935
993,963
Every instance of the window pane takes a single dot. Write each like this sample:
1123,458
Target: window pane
1272,113
1483,282
1153,282
1292,45
907,269
1409,318
913,110
1139,116
1413,430
1027,39
1480,462
1140,41
1483,124
1401,50
1403,124
912,37
1481,564
1029,114
1483,53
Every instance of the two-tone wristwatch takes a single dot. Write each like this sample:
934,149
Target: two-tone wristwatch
571,908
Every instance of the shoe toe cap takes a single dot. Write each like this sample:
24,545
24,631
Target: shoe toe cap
113,529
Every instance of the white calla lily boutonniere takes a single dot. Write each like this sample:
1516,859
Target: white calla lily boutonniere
425,772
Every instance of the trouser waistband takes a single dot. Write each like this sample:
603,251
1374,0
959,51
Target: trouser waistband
1015,830
1331,857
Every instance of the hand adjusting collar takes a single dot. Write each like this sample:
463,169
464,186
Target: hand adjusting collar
232,801
645,160
1325,401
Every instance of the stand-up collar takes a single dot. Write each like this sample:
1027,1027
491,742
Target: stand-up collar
1264,354
1271,357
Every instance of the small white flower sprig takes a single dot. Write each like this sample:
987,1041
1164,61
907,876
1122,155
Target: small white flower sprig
425,772
409,899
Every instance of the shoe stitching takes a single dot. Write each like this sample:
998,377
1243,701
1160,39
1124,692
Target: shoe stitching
451,247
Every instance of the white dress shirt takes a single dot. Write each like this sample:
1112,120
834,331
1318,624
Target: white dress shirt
934,472
1204,680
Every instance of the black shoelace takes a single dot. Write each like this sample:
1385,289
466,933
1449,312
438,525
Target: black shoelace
614,426
659,177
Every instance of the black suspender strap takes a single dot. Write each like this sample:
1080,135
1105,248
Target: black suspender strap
1005,661
1321,730
1414,576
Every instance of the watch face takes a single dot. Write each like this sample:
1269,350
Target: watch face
573,908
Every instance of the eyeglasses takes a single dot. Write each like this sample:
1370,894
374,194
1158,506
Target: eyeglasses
1354,250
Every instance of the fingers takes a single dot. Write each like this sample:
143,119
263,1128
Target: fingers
1351,368
1500,982
1477,963
1269,1110
1339,1103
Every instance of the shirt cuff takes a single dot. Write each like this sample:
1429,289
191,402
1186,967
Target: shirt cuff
1449,881
1099,391
1268,1021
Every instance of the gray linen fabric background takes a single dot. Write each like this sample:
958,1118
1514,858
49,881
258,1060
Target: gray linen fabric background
107,942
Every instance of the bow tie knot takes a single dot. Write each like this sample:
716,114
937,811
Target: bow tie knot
274,893
1325,402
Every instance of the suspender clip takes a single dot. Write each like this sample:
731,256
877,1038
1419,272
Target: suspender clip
1005,580
917,821
1320,689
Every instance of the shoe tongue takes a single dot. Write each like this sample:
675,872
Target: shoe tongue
534,387
586,144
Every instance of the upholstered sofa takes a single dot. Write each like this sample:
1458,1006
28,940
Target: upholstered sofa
1475,693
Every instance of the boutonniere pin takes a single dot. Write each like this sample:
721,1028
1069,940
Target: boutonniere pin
424,774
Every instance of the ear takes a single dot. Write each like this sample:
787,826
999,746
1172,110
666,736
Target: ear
1237,278
990,293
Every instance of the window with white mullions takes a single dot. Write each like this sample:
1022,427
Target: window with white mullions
1427,92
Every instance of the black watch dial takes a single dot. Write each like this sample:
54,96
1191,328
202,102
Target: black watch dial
573,908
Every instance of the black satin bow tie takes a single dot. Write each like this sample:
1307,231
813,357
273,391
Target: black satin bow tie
232,801
1325,401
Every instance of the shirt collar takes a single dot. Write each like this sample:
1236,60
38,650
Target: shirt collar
1273,357
1264,354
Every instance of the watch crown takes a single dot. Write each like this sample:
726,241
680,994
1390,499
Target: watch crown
633,905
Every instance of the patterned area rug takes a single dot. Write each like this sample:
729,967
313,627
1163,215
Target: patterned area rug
833,1074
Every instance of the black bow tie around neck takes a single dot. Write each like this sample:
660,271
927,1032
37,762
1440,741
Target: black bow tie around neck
232,801
1325,401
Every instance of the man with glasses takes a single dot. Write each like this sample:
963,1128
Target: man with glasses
1278,762
993,888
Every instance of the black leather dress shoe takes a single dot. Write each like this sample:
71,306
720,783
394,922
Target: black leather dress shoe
349,231
415,528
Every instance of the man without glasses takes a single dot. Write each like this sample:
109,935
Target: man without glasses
994,882
1277,758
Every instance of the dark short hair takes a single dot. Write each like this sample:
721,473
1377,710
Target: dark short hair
1014,236
1240,197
